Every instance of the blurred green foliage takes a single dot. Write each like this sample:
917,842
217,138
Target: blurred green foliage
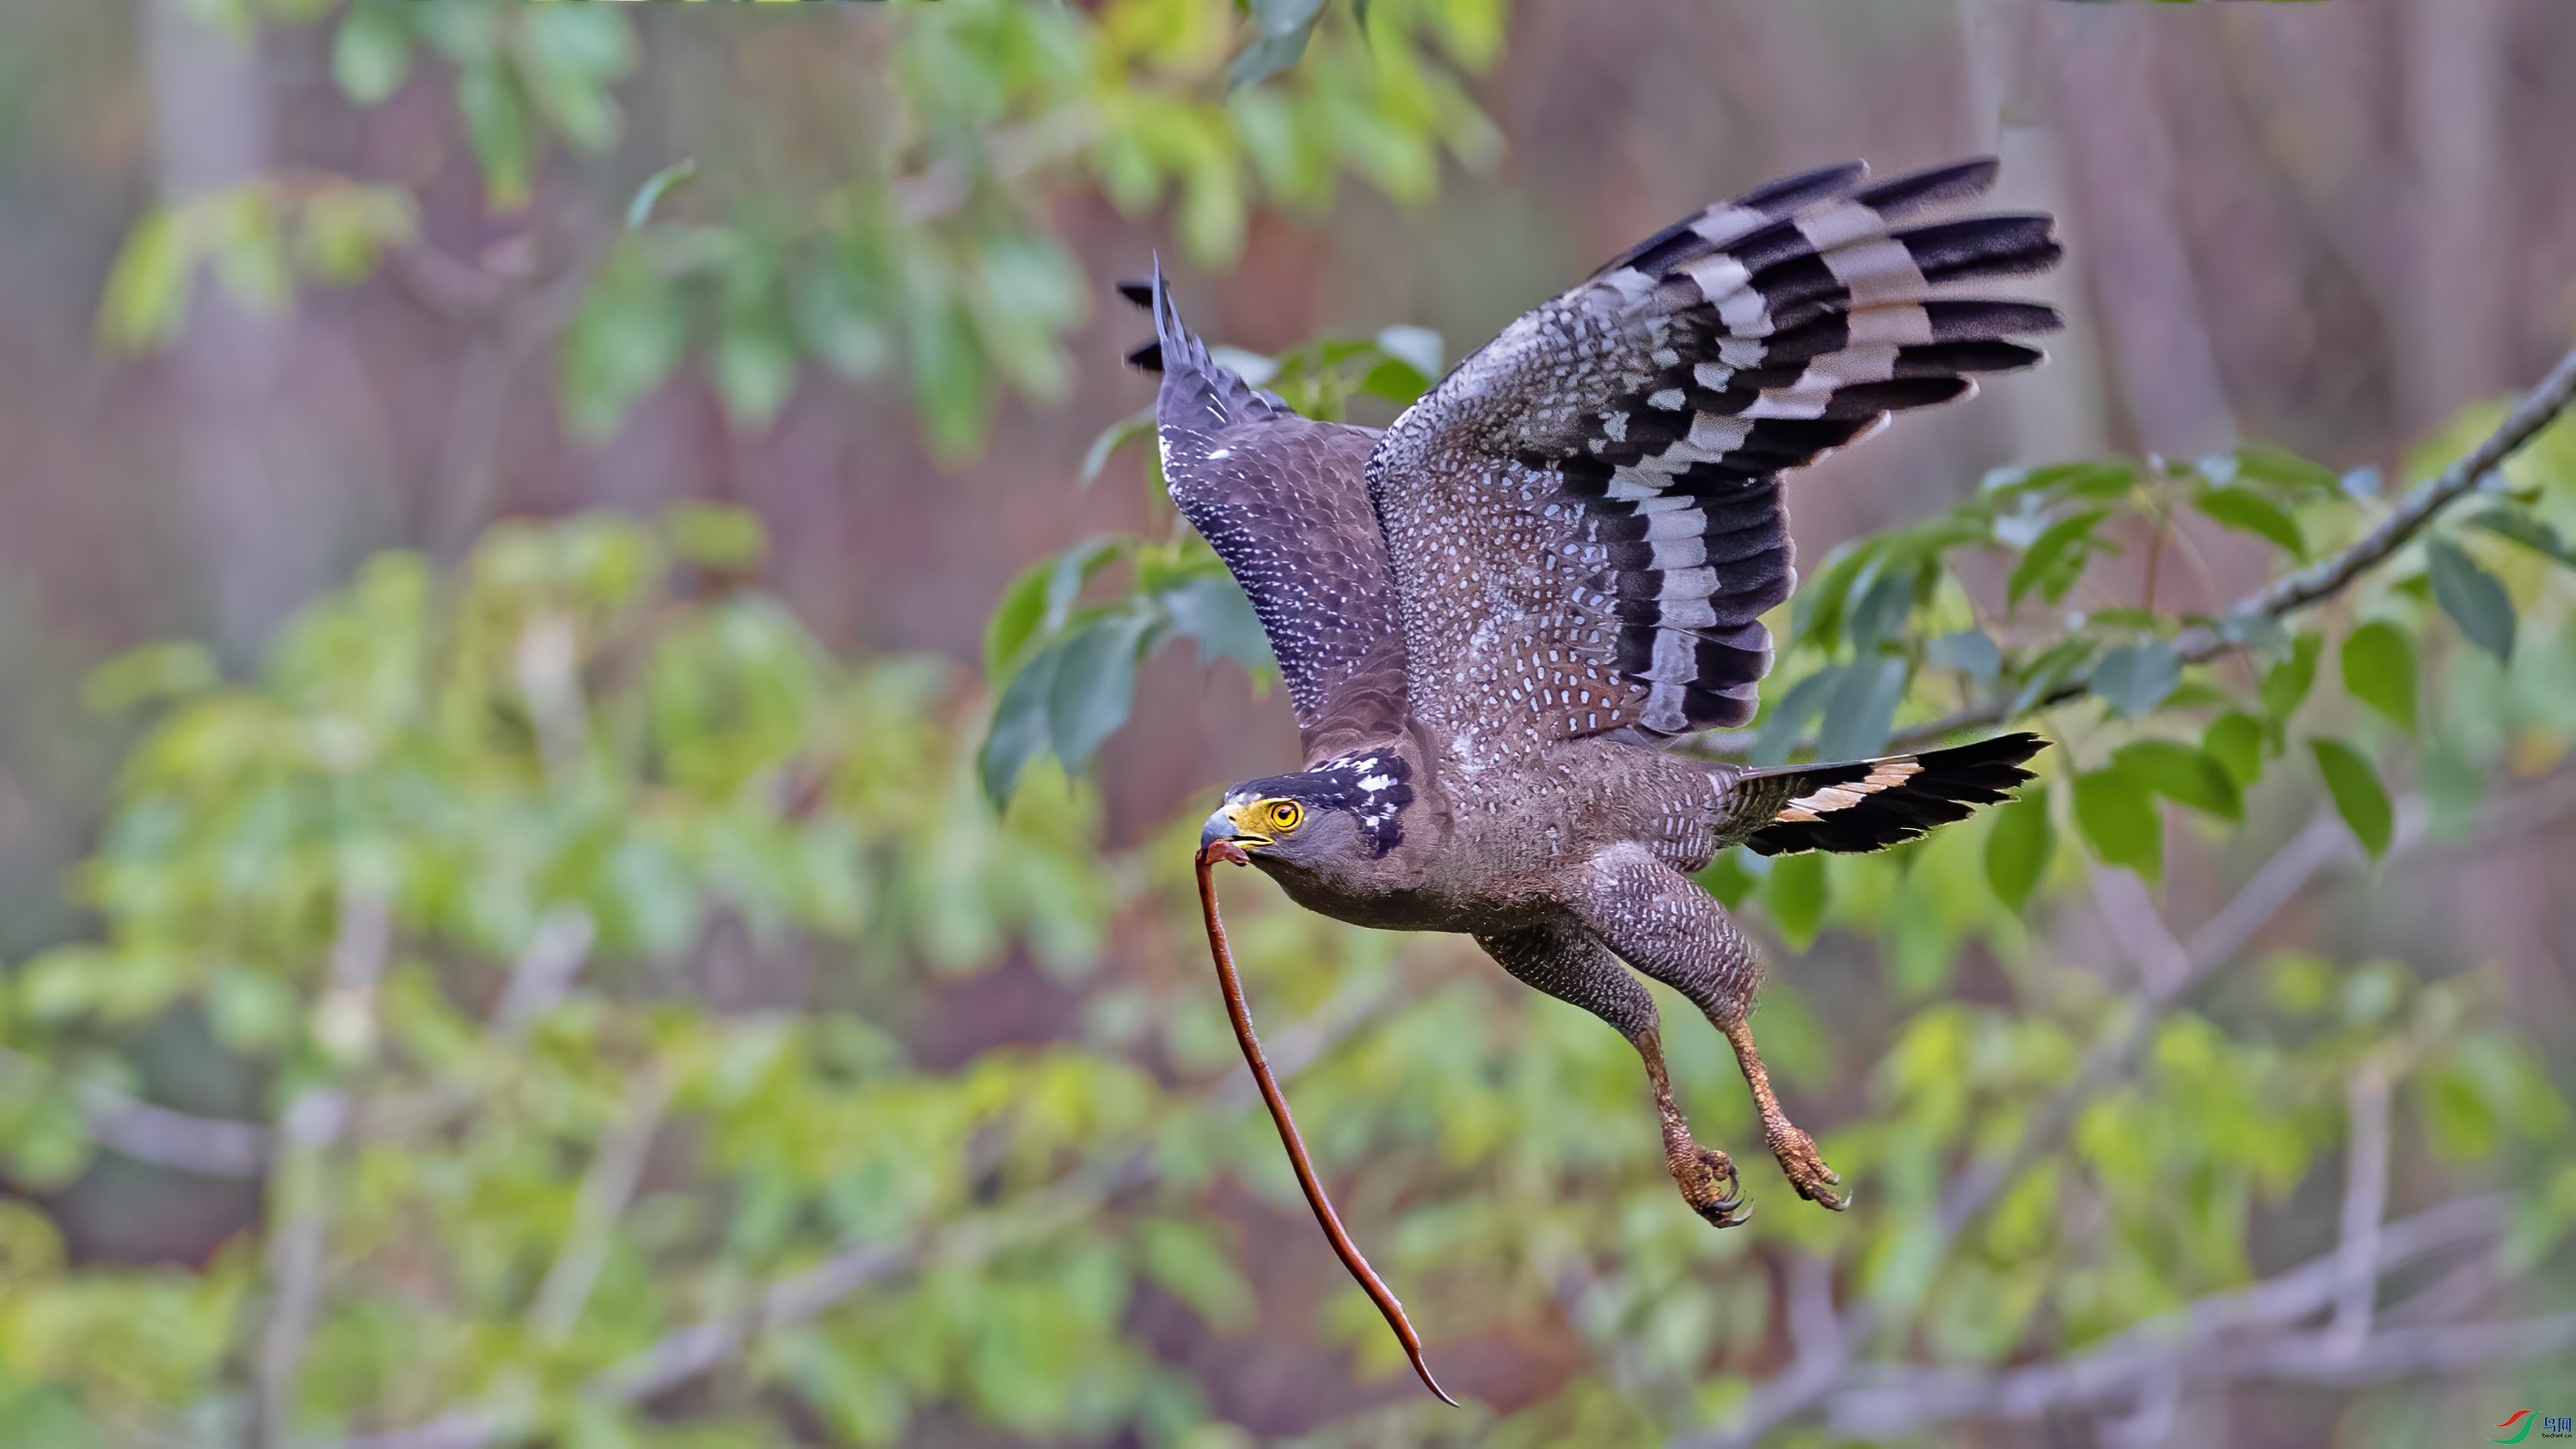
926,253
604,722
495,883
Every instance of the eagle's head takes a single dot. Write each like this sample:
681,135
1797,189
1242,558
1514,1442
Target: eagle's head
1338,813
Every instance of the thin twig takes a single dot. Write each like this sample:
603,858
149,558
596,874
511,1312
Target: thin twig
299,1187
605,1191
546,968
2208,1341
2365,1199
213,1146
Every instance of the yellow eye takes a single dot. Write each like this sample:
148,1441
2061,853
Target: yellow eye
1284,815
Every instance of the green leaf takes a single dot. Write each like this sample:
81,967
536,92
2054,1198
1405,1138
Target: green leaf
2379,670
146,299
1862,711
2119,820
372,52
1019,728
2182,774
2358,795
1138,424
1093,689
153,672
2286,684
2055,559
1970,651
716,535
2247,511
1418,348
2097,480
1074,567
1795,894
624,341
1879,614
1017,618
661,183
2135,678
1395,380
1788,719
2530,532
2471,596
2235,741
1727,878
755,369
952,389
1185,1259
2050,670
496,125
2286,470
1213,610
2019,846
1282,27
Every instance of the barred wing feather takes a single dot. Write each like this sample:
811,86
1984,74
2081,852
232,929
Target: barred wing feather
1283,500
1584,520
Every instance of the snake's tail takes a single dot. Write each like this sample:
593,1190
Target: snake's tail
1325,1217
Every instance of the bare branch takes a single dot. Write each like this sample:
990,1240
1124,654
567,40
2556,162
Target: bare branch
164,1138
2365,1199
686,1353
546,969
299,1189
2202,1343
2293,592
312,1122
605,1191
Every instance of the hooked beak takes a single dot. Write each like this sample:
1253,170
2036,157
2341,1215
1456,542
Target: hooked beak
1223,828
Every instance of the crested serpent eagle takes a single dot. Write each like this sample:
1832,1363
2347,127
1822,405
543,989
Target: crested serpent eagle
1493,616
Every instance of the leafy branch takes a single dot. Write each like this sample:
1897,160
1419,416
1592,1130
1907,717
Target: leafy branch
2257,614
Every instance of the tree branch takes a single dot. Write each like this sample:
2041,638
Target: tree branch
2285,595
605,1191
2193,1345
2365,1199
2292,592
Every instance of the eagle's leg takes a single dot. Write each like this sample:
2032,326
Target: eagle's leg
1705,1175
1662,923
1795,1149
1562,959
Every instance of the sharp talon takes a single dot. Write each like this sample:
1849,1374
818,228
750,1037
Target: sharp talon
1730,1213
1722,1207
1807,1171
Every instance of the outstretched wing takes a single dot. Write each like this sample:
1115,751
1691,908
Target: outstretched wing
1584,519
1284,500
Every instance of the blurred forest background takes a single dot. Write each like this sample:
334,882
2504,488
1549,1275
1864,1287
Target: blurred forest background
502,516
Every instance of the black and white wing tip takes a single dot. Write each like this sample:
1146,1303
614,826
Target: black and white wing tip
1868,805
1777,327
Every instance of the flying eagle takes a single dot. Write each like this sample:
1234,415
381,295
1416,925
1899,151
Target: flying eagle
1494,615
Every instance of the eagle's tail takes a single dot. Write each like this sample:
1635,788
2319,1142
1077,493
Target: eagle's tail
1866,805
